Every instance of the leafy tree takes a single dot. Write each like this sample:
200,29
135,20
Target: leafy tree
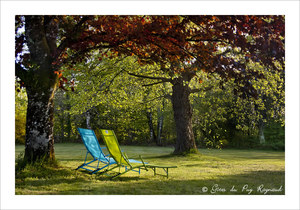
224,45
43,45
104,88
219,114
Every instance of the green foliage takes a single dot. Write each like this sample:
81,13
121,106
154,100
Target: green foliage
275,135
65,124
275,132
115,100
20,162
223,119
20,114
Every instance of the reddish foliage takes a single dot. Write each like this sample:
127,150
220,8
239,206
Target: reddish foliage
175,41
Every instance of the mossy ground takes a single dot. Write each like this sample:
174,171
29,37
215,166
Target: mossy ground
209,172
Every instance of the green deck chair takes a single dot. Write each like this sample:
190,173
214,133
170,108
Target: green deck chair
122,160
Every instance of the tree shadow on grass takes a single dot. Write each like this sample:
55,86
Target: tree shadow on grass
108,176
146,184
121,178
42,172
248,183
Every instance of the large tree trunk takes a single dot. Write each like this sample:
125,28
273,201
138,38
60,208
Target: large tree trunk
40,82
39,125
185,142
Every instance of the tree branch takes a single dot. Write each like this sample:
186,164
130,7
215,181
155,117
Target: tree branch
189,53
82,52
206,40
153,99
112,80
163,79
69,38
155,83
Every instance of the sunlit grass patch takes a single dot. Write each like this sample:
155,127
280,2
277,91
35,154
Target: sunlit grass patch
195,173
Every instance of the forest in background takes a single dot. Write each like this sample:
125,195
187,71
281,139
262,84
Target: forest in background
101,93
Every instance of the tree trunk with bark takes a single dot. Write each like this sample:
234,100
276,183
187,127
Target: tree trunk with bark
41,83
39,142
185,142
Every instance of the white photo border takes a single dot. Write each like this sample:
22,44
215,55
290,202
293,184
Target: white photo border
11,8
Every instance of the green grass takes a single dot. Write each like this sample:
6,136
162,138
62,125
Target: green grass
197,174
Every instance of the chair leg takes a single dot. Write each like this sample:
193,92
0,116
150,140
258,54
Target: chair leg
95,171
109,169
119,174
85,164
79,166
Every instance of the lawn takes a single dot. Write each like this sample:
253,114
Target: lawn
222,172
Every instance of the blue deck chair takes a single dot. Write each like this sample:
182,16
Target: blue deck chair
93,148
